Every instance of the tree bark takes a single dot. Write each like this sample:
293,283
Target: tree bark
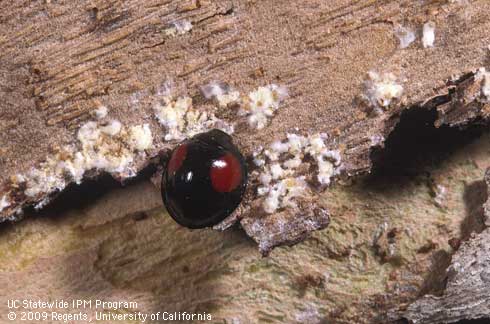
62,61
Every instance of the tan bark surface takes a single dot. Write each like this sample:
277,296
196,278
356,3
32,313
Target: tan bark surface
466,294
123,246
61,60
387,242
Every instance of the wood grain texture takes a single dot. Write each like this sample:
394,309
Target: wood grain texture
61,59
123,246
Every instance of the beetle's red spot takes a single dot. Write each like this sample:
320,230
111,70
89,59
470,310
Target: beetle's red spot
226,173
178,157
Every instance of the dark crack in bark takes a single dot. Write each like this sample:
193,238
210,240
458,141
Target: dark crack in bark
307,47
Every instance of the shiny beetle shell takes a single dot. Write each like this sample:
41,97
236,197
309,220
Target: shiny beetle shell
204,180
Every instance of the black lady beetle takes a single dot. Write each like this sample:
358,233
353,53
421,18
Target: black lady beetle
204,180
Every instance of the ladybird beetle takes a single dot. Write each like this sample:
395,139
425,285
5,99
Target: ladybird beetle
204,180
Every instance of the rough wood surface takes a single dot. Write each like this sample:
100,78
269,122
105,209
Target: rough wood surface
467,291
391,235
60,60
390,240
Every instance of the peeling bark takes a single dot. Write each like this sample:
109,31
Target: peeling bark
388,242
467,292
119,55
